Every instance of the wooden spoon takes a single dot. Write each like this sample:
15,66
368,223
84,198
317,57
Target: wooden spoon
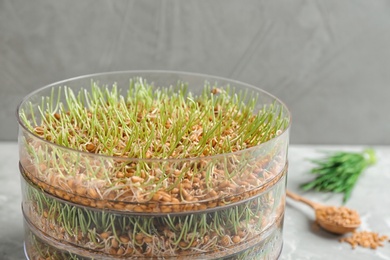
335,220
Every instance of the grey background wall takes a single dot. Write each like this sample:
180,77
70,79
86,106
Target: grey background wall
328,60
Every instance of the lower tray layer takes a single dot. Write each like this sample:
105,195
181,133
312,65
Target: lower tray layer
40,246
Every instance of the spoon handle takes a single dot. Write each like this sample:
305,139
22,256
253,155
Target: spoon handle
296,197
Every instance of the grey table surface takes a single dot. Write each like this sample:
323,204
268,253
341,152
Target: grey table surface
301,241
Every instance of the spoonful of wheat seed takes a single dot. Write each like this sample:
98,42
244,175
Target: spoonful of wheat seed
337,220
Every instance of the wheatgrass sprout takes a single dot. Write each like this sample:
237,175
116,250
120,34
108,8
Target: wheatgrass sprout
162,122
151,122
99,229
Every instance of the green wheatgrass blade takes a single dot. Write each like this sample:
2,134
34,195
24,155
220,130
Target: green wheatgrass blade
339,172
162,121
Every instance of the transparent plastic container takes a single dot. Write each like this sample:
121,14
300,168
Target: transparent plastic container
38,247
95,206
251,228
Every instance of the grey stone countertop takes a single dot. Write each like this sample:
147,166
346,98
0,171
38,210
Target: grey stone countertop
301,239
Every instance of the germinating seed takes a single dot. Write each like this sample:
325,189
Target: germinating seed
208,125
